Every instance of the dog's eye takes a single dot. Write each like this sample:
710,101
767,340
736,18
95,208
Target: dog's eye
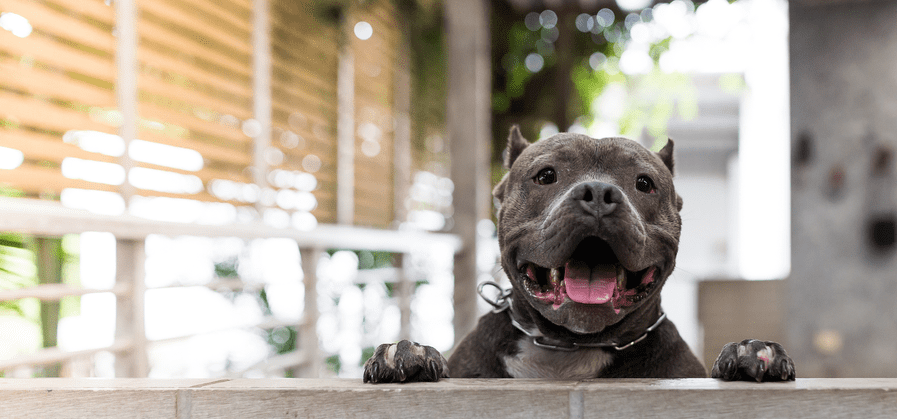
545,176
645,184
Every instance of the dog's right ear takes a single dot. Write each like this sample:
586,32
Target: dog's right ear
516,145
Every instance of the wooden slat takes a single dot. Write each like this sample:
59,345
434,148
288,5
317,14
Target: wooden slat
379,101
202,196
206,174
238,9
377,50
47,19
47,180
188,16
293,161
369,169
324,150
298,79
156,112
199,87
199,99
97,9
281,116
313,143
216,8
246,4
45,147
211,151
372,92
37,113
289,55
188,112
290,95
183,67
292,27
304,49
373,188
235,64
51,52
328,216
45,83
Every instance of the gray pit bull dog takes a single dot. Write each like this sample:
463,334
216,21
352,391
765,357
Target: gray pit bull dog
589,231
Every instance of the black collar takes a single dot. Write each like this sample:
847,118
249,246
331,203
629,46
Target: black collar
503,303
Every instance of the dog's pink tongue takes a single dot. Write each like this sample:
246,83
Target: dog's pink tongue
590,285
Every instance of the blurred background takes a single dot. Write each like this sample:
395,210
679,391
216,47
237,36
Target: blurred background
252,188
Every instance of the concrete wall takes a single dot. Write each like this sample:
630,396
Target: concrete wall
842,319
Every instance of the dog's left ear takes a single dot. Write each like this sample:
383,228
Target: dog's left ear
666,154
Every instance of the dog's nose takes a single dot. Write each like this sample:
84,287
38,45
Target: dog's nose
598,197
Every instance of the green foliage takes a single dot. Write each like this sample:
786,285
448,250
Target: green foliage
334,363
366,354
17,270
654,99
368,259
590,84
227,268
521,42
528,98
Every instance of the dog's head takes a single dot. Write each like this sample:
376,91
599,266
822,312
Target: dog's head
588,228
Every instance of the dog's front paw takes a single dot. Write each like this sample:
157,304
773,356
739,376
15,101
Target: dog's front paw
405,362
753,360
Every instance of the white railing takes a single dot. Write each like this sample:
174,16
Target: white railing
50,219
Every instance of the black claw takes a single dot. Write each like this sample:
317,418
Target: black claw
400,370
434,370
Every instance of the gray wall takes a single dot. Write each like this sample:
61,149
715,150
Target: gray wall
842,293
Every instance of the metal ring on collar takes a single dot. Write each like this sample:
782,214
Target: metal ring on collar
502,302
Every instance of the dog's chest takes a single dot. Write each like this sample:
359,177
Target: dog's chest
532,361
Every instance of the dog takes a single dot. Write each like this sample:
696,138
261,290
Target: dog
588,231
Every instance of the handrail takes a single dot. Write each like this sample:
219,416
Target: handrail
55,292
48,218
55,354
451,398
39,217
266,323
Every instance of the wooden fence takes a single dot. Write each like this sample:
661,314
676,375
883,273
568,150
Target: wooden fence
453,398
50,219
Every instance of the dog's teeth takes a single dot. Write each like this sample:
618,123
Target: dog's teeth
555,277
621,277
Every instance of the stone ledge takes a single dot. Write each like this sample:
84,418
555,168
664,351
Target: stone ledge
462,398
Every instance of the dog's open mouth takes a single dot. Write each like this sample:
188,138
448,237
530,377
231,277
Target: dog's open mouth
592,275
